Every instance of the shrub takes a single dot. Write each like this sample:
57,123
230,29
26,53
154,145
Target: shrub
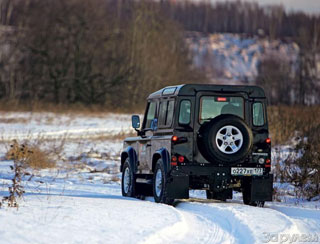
302,168
23,156
286,122
31,156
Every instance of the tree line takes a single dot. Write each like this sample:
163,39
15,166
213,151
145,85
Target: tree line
111,53
115,52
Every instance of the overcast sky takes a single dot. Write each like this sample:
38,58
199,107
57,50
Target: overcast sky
310,6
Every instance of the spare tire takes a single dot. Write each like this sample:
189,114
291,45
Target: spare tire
225,139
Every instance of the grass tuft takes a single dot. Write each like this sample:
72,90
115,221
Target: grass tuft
31,155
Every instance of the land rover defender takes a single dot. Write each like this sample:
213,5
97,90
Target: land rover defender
209,137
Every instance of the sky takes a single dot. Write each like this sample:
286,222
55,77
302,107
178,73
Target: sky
309,6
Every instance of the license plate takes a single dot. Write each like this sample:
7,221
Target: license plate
246,171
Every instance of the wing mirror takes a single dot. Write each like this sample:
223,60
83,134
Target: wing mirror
135,119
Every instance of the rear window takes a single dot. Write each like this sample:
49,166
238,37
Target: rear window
213,106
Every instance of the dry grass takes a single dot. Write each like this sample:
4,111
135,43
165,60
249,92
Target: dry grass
286,122
31,155
13,120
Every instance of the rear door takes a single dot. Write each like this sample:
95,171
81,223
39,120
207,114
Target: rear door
212,104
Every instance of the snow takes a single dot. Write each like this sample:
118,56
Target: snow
52,126
80,201
234,57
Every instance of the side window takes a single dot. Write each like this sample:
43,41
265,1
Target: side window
151,114
185,112
170,113
163,113
166,113
258,114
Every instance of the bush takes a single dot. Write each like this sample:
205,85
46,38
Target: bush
31,156
23,156
286,122
302,168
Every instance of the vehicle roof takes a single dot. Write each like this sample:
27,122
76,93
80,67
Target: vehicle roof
191,89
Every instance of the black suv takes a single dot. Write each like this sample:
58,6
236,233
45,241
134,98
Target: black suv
210,137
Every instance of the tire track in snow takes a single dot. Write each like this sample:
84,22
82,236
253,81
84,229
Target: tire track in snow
307,220
258,221
228,228
216,222
204,228
192,228
170,233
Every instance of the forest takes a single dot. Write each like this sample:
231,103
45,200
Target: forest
113,53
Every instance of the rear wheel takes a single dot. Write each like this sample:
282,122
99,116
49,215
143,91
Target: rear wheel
159,184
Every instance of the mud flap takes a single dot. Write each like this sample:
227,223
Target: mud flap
262,188
178,186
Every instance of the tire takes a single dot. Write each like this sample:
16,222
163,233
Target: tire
159,184
225,139
128,180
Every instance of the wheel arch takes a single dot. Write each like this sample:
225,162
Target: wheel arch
164,155
131,153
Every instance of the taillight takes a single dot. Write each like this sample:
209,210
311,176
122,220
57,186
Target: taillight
268,140
174,161
181,159
268,163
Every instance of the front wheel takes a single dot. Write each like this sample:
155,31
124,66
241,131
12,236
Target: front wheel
128,182
159,184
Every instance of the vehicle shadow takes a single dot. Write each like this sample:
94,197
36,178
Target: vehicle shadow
81,195
197,200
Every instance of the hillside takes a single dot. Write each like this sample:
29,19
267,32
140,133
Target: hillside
235,58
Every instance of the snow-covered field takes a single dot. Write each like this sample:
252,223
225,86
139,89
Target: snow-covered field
80,200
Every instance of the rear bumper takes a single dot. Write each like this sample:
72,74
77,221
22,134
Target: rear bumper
217,179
